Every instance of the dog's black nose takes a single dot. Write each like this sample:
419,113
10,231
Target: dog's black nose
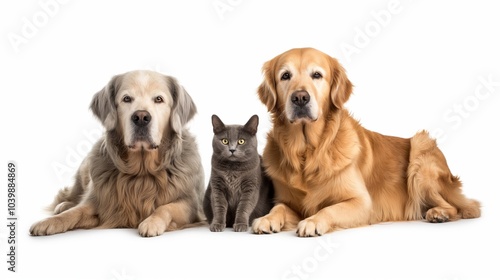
300,98
141,118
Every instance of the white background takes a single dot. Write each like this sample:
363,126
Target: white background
412,70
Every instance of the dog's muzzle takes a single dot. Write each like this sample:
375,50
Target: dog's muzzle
301,107
141,120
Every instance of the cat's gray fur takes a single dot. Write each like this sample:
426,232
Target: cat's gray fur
239,190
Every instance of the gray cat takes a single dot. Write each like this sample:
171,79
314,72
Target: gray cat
239,190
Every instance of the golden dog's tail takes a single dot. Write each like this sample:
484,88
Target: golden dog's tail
433,192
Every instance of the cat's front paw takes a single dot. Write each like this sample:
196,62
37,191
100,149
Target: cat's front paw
240,227
214,227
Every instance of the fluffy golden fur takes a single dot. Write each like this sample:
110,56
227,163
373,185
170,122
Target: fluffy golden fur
145,172
331,173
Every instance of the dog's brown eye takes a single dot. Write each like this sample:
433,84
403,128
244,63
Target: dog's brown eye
127,99
286,76
159,99
317,75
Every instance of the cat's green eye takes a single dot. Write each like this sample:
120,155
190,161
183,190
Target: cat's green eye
224,141
241,141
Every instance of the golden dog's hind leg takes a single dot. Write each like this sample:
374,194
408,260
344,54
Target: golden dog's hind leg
432,187
443,212
79,217
450,203
280,218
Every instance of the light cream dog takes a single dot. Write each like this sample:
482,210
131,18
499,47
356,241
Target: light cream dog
145,172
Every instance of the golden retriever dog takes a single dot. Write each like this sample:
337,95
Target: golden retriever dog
331,173
145,172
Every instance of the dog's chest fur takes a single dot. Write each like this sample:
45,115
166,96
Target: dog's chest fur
126,199
303,168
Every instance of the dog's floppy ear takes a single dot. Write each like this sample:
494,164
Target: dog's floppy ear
183,108
341,87
103,103
267,89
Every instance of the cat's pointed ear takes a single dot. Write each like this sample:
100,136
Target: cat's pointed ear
252,124
217,124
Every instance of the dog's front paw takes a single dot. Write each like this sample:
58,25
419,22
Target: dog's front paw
215,227
152,226
240,227
267,224
310,227
48,226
